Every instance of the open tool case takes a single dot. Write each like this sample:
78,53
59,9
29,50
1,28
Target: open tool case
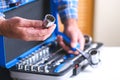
50,61
46,60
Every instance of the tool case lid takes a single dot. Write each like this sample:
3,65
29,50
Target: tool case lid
12,49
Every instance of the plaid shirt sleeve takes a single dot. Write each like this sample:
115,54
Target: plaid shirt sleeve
67,9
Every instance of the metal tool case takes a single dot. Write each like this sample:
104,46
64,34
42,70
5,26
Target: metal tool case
49,60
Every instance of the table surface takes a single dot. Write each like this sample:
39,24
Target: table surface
108,69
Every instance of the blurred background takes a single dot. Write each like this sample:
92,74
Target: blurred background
101,20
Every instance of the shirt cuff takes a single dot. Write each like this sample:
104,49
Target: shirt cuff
2,15
68,13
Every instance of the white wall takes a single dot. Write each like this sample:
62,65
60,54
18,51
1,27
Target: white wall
107,22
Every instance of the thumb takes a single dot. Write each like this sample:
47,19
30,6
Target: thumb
73,41
31,23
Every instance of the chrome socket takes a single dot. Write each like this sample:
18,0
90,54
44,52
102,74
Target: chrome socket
48,20
94,57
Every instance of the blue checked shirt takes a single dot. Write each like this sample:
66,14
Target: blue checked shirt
67,9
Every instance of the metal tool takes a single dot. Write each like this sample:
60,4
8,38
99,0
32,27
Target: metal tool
27,67
28,63
37,60
53,54
48,20
68,63
94,57
42,60
88,40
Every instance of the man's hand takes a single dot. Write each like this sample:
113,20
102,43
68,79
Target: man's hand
74,33
25,29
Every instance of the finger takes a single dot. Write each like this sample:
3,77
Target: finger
63,45
49,32
33,34
76,52
74,40
44,33
81,40
22,22
33,23
50,29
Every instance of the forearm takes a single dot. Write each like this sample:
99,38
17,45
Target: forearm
68,9
2,19
70,21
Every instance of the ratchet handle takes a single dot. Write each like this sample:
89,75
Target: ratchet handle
68,41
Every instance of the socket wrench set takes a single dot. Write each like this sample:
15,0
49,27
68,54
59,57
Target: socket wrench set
47,60
51,61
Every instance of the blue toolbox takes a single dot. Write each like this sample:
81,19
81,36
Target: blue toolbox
46,60
49,60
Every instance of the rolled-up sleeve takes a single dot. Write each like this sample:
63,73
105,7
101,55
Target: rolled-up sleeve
67,9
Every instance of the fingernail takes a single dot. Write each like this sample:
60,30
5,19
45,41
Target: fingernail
76,53
73,45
